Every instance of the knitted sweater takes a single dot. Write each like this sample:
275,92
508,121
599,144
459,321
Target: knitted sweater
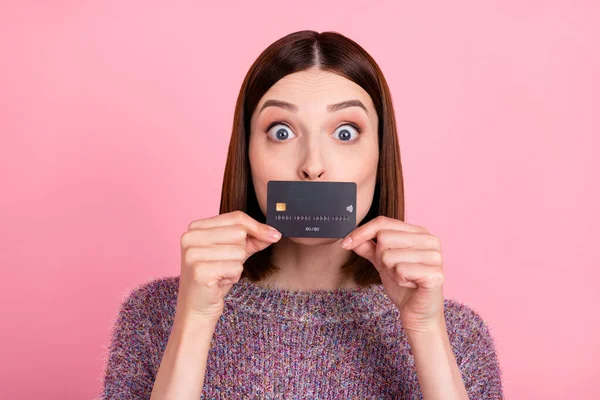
282,344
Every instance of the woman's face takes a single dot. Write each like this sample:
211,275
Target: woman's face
307,138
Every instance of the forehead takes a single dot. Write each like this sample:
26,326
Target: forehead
315,88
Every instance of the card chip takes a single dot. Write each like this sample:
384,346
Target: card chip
280,206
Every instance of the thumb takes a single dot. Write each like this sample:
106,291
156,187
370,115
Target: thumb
254,245
367,250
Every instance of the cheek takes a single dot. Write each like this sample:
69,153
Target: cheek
266,158
264,167
364,198
366,179
359,167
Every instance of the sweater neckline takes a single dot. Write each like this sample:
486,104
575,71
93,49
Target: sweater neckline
317,305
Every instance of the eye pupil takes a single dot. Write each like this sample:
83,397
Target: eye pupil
345,135
282,134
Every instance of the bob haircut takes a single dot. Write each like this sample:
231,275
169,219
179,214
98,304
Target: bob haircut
298,51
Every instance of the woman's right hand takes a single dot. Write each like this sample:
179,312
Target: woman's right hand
213,252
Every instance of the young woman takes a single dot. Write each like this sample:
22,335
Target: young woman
254,315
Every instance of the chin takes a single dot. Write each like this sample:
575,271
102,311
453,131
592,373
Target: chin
312,241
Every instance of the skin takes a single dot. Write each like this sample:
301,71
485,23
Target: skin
314,150
408,257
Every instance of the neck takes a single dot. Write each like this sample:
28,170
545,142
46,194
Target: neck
308,265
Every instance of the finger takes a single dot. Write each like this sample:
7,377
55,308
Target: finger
228,272
423,276
391,257
253,227
230,234
218,271
367,250
370,229
215,253
405,274
407,241
395,239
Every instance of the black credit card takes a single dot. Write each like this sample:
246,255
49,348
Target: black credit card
312,209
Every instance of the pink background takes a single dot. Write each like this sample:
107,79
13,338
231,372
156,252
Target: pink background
115,120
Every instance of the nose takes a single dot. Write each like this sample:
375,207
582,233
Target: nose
312,166
311,173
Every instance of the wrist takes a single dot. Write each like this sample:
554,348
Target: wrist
434,327
186,320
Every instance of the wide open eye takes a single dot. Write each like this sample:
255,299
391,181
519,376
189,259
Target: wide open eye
279,131
346,131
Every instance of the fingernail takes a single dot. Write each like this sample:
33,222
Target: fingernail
346,243
274,234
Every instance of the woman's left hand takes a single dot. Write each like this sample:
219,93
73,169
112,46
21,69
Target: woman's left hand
409,261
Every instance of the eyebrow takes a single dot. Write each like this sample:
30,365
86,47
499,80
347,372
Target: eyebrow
330,108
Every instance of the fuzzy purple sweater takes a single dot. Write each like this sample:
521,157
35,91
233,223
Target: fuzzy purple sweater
282,344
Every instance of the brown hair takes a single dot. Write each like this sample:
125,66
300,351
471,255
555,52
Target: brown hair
298,51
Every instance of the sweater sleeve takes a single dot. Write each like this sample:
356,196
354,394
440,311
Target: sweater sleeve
475,352
129,373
